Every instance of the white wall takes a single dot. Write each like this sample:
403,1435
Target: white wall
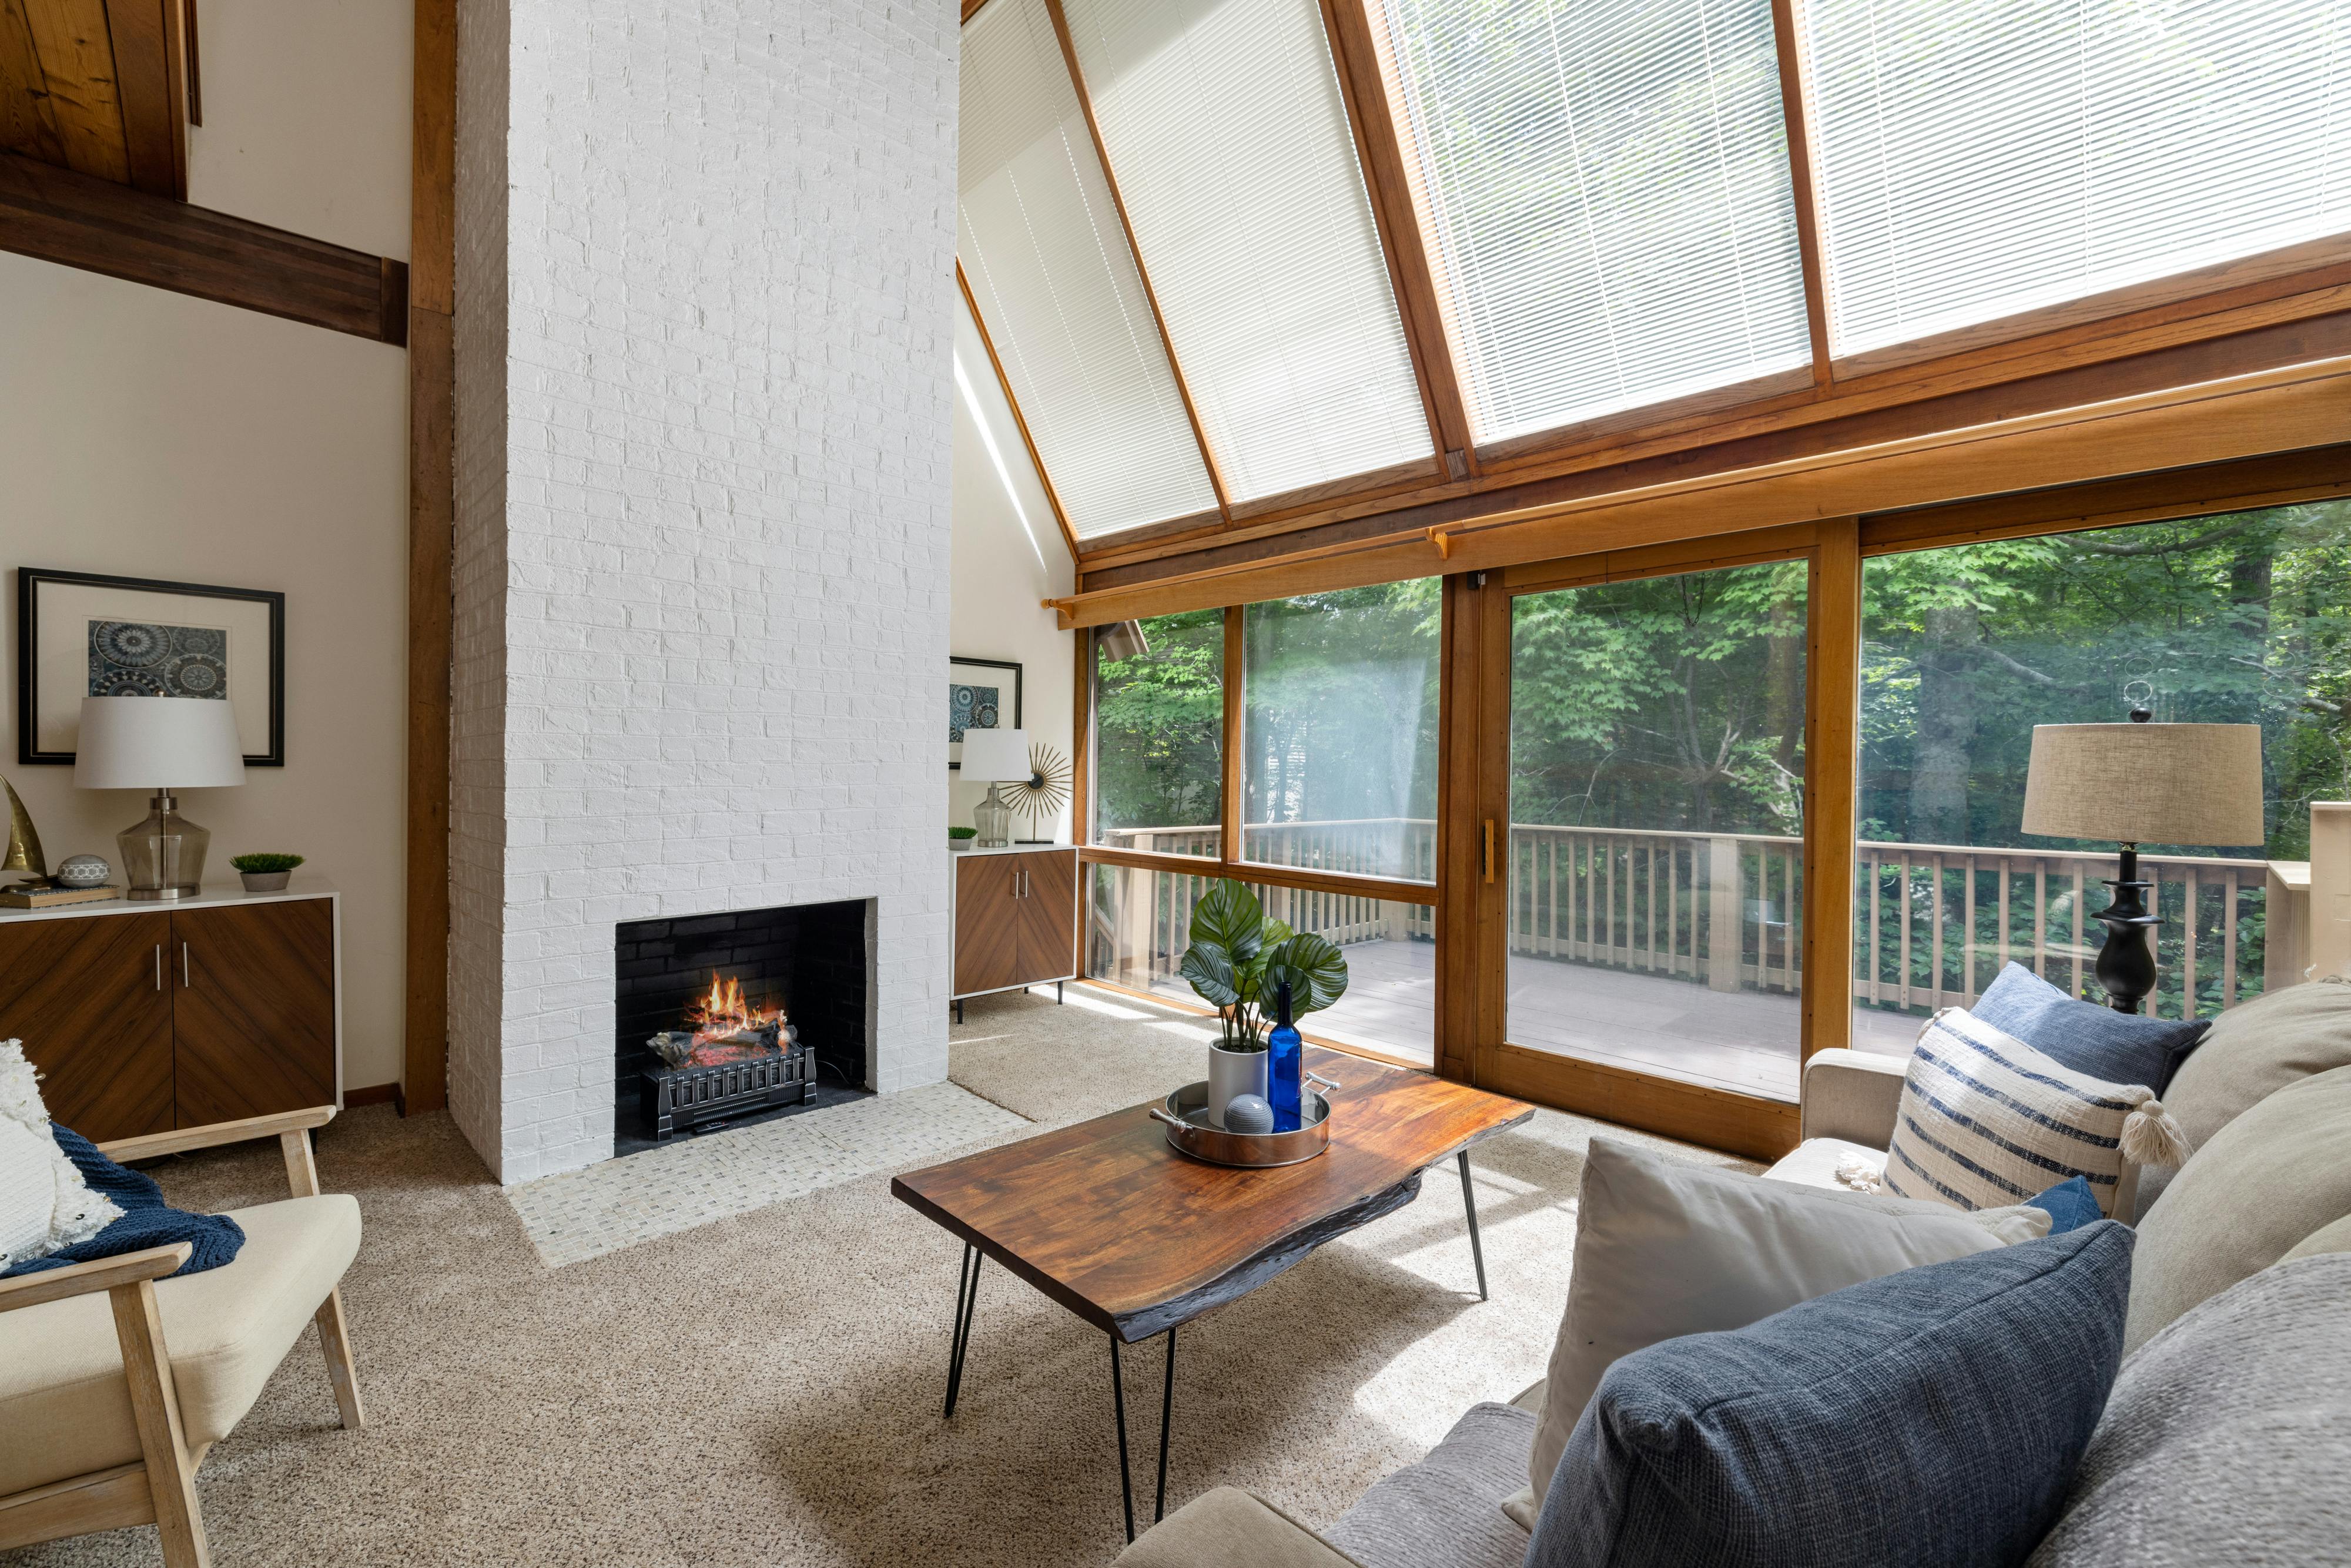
1005,567
703,514
144,433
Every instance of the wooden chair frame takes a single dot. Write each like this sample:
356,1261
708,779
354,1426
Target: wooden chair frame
160,1488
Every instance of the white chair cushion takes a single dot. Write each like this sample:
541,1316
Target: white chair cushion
65,1407
1813,1162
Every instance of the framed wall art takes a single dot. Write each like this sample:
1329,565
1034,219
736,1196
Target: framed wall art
982,694
79,635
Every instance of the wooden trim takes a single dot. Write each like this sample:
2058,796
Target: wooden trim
432,550
151,86
1748,547
2290,407
163,1436
2279,479
101,1274
1233,750
2257,326
1795,96
278,1124
2181,295
970,7
1135,250
77,220
1832,617
1396,479
1365,84
1020,420
194,62
79,1505
1744,1124
1273,875
1473,765
374,1094
1081,781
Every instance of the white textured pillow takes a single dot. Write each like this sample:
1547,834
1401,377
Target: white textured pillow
44,1202
1664,1250
1985,1119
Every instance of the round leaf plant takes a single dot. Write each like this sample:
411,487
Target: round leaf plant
1239,959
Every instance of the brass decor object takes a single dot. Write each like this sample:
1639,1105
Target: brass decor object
1046,789
24,845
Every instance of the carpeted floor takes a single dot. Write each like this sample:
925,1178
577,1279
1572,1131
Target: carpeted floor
764,1389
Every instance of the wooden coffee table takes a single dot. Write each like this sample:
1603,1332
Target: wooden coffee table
1137,1239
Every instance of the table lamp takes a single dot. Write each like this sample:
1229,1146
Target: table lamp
2142,783
160,744
996,756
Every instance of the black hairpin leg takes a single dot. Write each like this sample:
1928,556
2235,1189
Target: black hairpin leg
1166,1419
1469,1201
967,1308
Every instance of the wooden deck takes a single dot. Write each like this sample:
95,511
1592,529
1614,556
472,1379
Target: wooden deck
1746,1041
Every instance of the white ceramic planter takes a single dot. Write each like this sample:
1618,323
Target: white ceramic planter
1232,1073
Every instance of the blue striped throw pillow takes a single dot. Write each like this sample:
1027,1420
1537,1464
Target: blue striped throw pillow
1985,1120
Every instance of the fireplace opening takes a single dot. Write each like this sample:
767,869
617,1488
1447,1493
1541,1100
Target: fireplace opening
726,1018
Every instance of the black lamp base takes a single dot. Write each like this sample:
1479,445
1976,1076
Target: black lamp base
2127,962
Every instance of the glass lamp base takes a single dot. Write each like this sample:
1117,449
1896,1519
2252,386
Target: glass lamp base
164,856
993,818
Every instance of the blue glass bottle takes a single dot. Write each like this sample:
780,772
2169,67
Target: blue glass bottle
1283,1072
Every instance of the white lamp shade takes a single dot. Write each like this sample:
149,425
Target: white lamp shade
2146,783
157,743
994,755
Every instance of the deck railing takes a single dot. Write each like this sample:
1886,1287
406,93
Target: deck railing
1932,923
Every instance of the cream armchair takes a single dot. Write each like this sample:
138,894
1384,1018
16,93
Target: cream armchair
115,1381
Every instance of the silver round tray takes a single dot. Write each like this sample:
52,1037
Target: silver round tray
1189,1130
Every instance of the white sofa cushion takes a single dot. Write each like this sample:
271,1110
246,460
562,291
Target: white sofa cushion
1664,1250
65,1407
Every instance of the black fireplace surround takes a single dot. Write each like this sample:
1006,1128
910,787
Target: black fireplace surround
808,958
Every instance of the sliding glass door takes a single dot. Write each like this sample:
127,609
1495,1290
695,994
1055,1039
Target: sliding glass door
1656,841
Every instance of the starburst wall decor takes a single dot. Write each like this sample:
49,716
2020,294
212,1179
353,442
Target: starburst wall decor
1046,789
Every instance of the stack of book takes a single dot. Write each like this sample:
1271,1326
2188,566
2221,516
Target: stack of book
23,897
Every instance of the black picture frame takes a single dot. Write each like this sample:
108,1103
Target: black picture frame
954,764
31,580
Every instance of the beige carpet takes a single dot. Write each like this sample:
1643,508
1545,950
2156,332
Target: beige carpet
765,1390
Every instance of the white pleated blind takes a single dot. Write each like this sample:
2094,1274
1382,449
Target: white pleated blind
1229,142
1608,188
1984,158
1048,268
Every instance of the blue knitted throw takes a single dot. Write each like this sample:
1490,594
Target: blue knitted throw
147,1221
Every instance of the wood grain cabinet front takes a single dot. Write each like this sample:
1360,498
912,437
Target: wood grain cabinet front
91,1000
140,1023
1014,920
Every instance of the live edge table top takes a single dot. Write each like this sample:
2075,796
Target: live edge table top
1108,1220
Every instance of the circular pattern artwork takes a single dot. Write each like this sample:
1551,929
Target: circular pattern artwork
149,659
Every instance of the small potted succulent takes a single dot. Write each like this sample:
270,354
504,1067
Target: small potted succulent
265,873
960,838
1238,962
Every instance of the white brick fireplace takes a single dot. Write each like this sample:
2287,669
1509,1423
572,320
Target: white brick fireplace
704,308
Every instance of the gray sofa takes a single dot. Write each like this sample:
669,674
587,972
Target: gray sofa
2229,1430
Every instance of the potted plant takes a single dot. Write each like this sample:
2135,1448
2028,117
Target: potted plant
960,838
1236,962
265,873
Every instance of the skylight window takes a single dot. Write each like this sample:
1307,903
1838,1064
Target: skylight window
1978,162
1229,139
1056,286
1605,184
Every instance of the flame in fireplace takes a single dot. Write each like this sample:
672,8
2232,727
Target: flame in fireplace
724,1011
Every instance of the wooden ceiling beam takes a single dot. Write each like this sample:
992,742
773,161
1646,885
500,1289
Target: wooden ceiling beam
1795,97
1027,441
97,225
151,86
1366,83
2285,409
1135,250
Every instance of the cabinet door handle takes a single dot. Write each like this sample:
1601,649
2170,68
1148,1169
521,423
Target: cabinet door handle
158,966
185,981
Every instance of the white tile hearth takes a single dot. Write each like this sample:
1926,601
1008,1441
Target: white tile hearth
583,1214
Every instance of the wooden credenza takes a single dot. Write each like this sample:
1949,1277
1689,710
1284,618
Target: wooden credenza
144,1016
1015,917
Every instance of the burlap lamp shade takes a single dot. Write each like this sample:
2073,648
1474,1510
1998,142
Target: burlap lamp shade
2147,783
